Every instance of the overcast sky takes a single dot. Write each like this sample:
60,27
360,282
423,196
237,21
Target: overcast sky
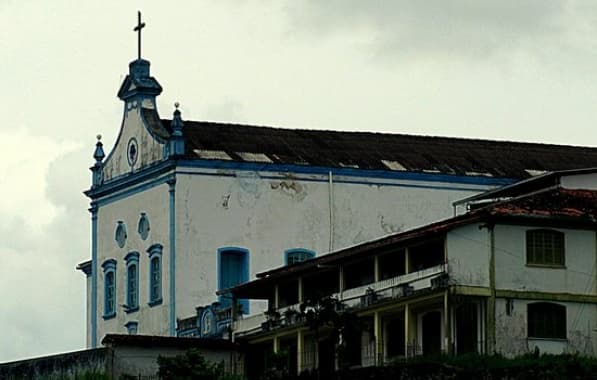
508,70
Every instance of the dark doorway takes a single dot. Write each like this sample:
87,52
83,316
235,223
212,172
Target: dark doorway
395,337
432,333
466,328
327,358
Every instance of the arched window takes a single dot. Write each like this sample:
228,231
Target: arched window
155,274
233,269
545,247
109,268
298,255
132,281
546,320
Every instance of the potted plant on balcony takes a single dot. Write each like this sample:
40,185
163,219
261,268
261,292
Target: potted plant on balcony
272,319
369,298
291,316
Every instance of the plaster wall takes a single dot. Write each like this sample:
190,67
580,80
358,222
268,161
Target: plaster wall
468,250
268,213
580,181
154,203
511,330
512,273
149,149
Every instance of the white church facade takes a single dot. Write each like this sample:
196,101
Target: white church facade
180,209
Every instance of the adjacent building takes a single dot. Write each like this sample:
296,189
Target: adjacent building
515,274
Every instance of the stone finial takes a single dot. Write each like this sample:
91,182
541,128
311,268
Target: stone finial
99,150
176,147
177,123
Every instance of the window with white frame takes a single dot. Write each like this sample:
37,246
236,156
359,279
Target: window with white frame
155,274
546,320
545,247
132,281
109,268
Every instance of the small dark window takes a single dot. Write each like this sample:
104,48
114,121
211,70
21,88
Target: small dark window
546,320
545,247
298,255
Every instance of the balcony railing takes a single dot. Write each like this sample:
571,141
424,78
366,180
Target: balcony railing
394,287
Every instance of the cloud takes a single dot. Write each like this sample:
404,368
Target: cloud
44,233
430,29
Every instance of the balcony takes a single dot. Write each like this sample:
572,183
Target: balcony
396,287
392,288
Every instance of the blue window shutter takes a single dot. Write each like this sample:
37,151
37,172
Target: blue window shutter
233,269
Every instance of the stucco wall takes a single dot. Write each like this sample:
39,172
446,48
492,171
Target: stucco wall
468,255
512,272
154,203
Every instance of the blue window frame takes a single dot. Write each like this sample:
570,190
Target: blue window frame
143,227
233,269
120,234
297,255
155,274
109,268
132,282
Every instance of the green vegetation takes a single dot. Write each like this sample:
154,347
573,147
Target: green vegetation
192,366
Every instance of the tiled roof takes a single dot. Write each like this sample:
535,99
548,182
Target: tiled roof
383,151
560,203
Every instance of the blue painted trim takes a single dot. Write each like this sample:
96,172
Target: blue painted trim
244,275
126,181
132,259
290,251
172,261
155,302
109,267
155,251
349,172
93,210
135,190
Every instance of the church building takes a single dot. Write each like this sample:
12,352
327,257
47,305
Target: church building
180,209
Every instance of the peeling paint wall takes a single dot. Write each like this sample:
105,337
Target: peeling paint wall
511,330
268,213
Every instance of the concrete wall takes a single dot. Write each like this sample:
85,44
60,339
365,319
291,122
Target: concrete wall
142,361
72,365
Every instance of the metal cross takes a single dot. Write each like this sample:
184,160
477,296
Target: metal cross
140,25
